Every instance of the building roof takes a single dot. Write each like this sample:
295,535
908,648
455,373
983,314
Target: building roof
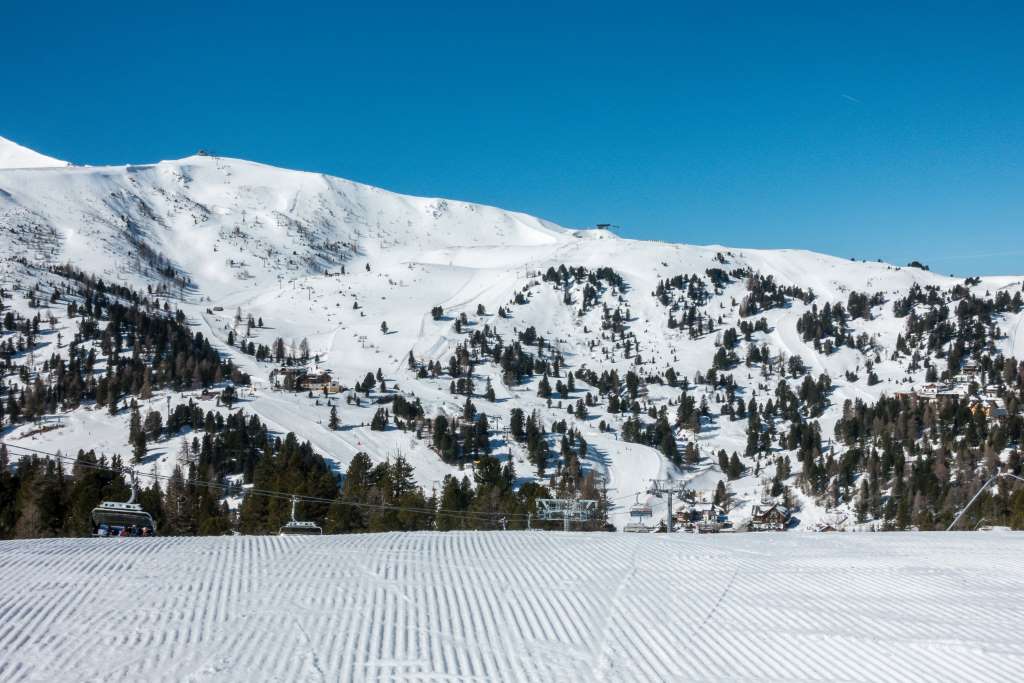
764,507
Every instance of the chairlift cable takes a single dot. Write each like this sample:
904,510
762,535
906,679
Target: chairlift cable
465,514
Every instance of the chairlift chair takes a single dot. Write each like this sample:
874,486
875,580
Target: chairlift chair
641,510
114,515
299,528
638,511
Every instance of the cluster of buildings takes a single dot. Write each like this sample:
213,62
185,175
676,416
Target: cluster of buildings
767,515
986,400
703,518
711,518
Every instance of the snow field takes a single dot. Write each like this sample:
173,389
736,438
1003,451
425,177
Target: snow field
516,606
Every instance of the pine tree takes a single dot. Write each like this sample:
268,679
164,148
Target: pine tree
544,387
669,449
134,424
41,499
723,461
139,447
380,420
332,422
720,493
735,466
455,498
146,392
515,424
153,425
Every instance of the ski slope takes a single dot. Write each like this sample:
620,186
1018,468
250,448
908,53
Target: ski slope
330,261
516,606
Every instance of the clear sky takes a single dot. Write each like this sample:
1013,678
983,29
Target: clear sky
862,130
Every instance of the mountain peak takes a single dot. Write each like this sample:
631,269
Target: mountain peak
13,155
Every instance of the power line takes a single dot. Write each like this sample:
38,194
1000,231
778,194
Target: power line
281,495
464,514
977,495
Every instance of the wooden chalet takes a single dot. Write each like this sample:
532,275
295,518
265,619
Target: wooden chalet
319,382
769,516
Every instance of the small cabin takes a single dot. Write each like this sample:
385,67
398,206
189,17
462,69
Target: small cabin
769,516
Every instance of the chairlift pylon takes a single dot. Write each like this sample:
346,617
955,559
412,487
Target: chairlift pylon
299,528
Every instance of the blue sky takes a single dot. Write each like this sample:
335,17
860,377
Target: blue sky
863,131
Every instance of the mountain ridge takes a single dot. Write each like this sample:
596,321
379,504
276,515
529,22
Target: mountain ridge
13,155
355,274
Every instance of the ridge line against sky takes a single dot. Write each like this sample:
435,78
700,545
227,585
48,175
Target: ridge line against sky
867,132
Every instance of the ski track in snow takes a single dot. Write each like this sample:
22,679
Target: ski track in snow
516,606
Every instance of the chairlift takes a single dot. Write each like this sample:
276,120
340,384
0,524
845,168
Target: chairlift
638,511
112,518
299,528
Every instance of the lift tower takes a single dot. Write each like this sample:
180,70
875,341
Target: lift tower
667,488
566,509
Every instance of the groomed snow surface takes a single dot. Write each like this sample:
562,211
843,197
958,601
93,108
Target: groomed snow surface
521,606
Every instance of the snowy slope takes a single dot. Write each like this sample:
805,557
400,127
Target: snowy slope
272,243
515,606
13,155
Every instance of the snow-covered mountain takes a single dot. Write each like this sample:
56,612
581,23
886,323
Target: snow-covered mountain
13,155
357,272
